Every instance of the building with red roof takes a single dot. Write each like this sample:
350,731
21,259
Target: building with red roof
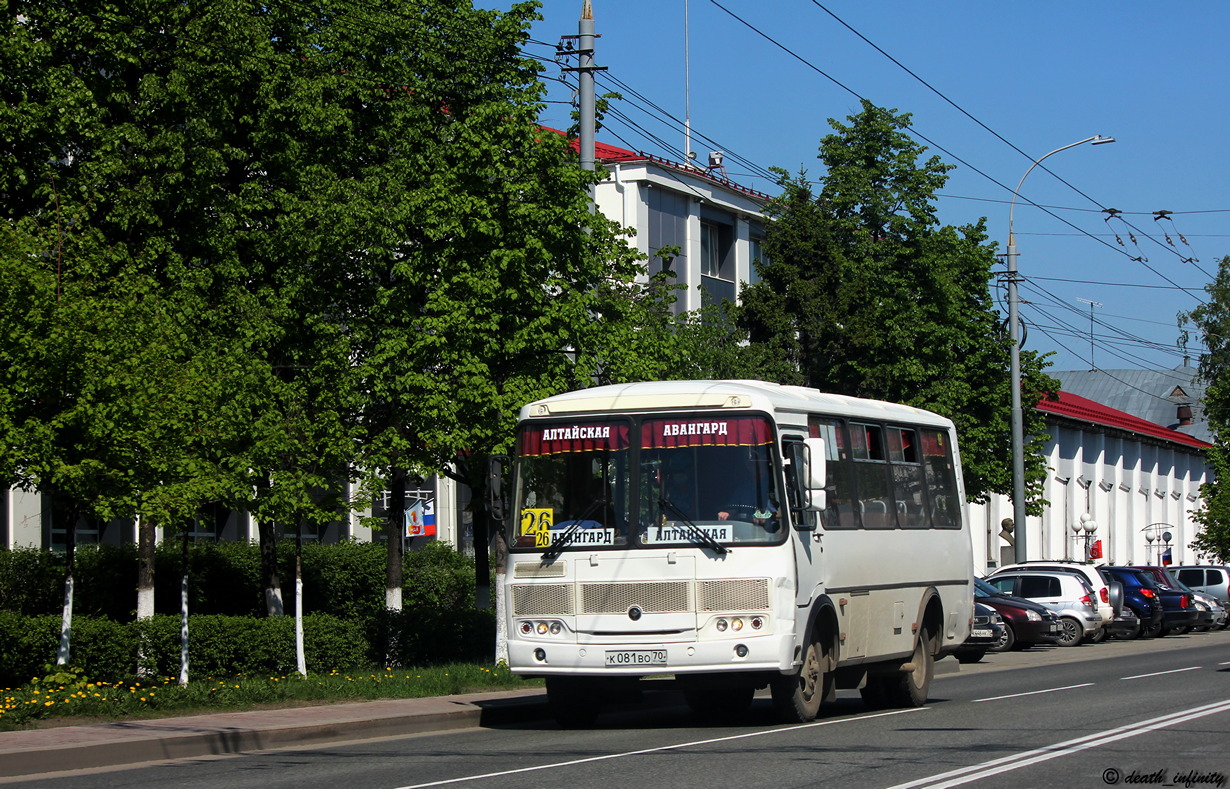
1133,480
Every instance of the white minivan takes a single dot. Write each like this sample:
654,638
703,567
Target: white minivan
1211,579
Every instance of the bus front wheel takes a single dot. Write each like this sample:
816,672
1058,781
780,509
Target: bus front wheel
797,697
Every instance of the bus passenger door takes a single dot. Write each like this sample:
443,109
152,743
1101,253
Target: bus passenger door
806,535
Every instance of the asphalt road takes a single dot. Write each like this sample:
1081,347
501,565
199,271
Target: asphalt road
1137,713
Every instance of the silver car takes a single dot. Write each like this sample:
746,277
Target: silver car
1069,594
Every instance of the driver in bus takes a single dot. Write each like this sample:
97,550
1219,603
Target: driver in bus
750,497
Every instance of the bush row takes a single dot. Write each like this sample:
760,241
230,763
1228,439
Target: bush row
345,579
228,646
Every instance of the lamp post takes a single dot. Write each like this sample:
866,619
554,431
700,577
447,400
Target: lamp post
1014,333
1090,526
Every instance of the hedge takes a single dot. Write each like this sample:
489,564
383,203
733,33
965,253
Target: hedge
346,580
227,646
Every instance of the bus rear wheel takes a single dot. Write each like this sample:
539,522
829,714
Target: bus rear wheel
797,697
907,688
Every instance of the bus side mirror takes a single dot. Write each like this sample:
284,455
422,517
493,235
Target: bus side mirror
496,506
817,471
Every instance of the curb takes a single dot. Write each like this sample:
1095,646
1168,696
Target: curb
41,751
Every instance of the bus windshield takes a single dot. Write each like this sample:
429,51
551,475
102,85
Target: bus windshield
696,481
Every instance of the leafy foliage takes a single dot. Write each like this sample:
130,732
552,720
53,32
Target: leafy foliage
865,294
1212,319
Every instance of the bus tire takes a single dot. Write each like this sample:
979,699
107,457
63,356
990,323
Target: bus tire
574,703
910,688
797,697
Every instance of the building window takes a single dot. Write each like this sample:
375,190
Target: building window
715,244
757,257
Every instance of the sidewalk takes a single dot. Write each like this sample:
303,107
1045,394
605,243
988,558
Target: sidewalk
129,742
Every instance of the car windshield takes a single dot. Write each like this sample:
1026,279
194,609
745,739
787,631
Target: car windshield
984,589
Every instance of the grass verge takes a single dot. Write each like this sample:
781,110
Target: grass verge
69,698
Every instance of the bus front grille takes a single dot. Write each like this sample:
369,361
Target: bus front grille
734,594
652,597
542,600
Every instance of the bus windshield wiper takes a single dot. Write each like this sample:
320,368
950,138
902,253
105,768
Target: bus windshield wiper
698,534
568,535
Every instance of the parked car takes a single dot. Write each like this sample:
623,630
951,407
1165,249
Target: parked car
986,631
1209,612
1211,579
1068,593
1138,596
1109,608
1025,622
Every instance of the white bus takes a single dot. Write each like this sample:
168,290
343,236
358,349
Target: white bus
734,535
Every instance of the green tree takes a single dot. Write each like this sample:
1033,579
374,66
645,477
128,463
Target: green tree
865,293
1212,320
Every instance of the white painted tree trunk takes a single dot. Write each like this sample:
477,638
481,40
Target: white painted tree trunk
183,631
501,630
66,625
300,660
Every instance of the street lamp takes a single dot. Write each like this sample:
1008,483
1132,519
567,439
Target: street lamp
1014,333
1090,526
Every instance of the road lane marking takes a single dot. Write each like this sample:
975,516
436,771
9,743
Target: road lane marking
659,749
1033,692
1005,764
1160,673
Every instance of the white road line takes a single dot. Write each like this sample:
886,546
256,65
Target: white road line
996,766
1160,673
659,749
1033,692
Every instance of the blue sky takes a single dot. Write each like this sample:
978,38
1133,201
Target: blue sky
1040,75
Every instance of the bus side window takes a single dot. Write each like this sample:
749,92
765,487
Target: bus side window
842,508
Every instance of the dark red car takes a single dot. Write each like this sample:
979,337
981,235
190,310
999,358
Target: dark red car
1025,622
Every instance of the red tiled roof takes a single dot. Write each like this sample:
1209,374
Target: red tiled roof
614,154
1085,410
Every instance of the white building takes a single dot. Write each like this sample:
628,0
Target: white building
1134,481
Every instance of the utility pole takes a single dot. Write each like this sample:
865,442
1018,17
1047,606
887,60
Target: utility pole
586,96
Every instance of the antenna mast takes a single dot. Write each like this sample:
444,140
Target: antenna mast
1091,304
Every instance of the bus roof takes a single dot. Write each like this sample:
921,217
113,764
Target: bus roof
653,396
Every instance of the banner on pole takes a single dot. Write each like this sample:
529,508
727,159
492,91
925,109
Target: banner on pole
421,518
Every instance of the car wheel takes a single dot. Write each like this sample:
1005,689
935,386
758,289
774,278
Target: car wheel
1154,630
1007,640
1070,632
1096,637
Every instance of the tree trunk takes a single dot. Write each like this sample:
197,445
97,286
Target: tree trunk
64,653
394,528
146,540
501,578
482,551
183,616
300,660
269,568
